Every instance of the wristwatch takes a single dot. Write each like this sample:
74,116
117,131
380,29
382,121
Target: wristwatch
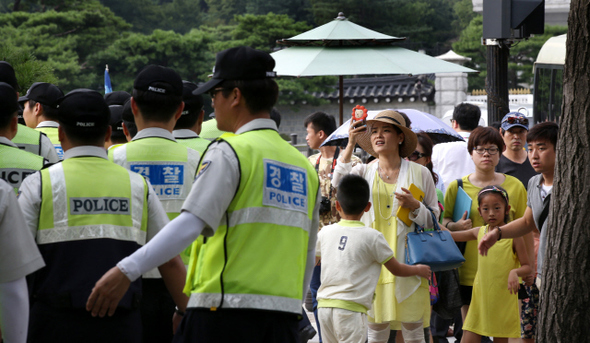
499,233
179,312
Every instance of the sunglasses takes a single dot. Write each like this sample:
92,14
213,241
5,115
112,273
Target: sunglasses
415,156
512,119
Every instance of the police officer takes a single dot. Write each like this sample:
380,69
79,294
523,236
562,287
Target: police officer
116,100
15,164
19,256
26,138
86,213
170,167
117,133
187,128
255,201
40,111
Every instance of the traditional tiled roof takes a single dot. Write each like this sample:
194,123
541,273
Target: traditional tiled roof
384,88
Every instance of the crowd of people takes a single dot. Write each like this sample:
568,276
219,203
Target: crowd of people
118,223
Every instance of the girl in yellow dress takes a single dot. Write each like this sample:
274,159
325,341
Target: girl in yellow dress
494,306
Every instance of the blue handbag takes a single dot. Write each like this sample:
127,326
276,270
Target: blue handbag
435,249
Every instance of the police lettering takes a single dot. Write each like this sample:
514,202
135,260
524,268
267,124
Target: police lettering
99,206
14,177
287,199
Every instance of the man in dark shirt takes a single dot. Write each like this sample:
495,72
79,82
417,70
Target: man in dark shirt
514,160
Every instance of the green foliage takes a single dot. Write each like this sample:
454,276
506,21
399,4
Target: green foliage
261,31
463,13
148,15
293,91
64,39
187,54
27,68
224,11
426,23
520,62
469,45
523,55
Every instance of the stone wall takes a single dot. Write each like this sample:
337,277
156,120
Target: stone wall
292,117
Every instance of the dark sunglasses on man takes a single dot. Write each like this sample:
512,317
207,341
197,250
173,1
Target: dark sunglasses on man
512,119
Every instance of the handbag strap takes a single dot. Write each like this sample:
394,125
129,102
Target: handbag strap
545,212
436,227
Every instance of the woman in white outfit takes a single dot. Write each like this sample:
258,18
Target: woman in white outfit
399,301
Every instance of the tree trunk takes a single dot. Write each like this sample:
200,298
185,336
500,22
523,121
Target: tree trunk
564,314
16,6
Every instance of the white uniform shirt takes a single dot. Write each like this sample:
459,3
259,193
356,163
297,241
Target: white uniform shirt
352,255
452,160
30,196
184,133
19,255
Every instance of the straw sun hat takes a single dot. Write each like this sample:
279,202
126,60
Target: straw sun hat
396,119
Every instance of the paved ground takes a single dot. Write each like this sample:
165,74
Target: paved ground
316,339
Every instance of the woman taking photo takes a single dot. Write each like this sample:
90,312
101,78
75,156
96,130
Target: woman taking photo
388,137
485,146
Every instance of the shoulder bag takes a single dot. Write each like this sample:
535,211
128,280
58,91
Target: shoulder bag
436,248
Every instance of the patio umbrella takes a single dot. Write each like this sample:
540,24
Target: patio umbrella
341,47
436,129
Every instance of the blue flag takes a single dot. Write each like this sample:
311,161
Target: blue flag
107,81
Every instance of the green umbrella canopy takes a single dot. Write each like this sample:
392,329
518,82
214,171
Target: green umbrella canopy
343,48
373,60
339,32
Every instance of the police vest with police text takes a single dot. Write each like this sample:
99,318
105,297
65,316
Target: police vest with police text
170,168
16,165
93,214
257,257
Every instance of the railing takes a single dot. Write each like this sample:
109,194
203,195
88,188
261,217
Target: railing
515,96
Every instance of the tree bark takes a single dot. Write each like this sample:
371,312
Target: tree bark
564,314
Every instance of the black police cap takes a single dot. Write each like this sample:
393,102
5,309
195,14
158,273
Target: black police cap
158,79
116,98
83,109
8,103
127,113
192,102
241,63
116,117
7,75
44,93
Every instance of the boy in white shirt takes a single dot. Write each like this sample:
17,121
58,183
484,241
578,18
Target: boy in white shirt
352,255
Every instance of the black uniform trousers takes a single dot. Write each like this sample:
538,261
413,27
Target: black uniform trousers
237,325
68,325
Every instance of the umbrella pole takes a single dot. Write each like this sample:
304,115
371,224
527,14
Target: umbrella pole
341,95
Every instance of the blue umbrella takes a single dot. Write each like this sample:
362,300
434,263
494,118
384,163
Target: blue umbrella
436,129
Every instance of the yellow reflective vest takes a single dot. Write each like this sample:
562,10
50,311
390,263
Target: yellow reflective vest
257,259
93,213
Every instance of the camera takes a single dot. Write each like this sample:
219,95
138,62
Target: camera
325,206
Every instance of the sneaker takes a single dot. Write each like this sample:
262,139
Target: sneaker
306,334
